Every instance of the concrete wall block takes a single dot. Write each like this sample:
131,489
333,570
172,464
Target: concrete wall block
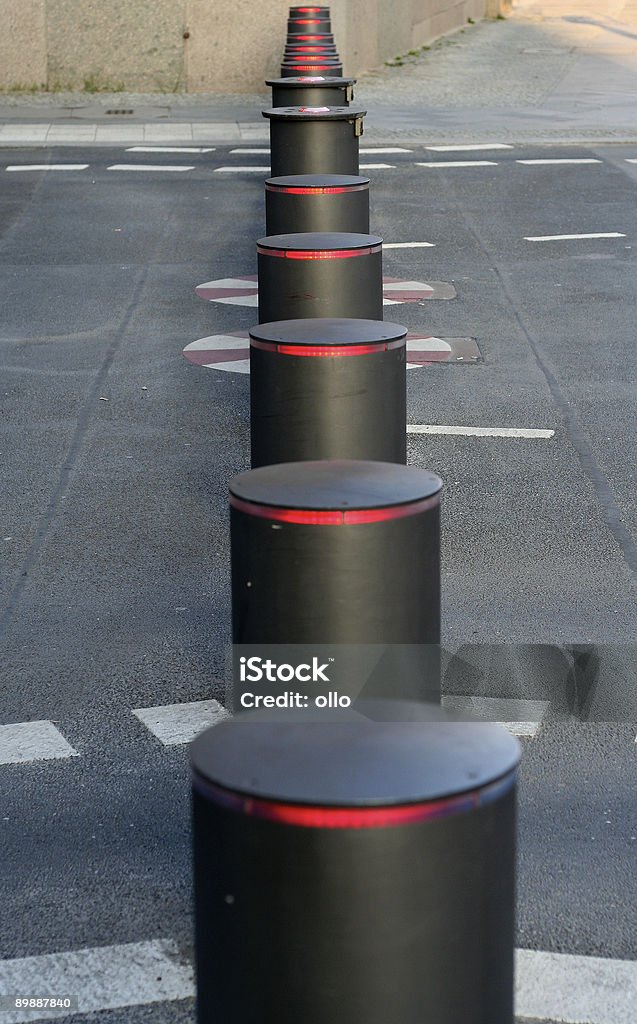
23,60
109,44
234,45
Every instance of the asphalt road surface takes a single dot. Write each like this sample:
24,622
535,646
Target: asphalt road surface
117,452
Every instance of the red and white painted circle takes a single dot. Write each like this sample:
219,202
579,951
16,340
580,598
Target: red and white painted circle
244,291
232,351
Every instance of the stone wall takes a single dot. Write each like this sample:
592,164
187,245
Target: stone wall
200,45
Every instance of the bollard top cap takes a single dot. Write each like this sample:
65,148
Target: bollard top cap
322,114
325,331
342,485
315,81
317,241
377,753
315,181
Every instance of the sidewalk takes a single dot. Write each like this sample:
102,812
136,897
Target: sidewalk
555,71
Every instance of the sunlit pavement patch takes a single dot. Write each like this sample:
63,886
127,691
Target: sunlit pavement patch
243,291
231,351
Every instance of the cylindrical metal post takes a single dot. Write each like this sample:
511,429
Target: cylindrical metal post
310,12
325,49
311,91
328,389
320,274
355,870
316,202
314,140
312,24
327,67
356,557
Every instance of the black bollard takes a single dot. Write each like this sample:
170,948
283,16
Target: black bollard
356,870
313,24
314,140
327,67
325,49
367,536
337,274
311,91
328,389
302,12
316,202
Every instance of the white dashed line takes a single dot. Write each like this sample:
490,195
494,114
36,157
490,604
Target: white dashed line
631,160
575,989
103,978
467,149
433,428
47,167
170,149
377,167
32,741
573,161
563,238
386,149
241,170
409,245
458,163
252,152
180,723
148,167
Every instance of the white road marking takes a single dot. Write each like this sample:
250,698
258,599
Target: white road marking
406,286
235,366
231,282
575,989
590,160
239,300
170,149
409,245
252,152
377,167
241,170
46,167
548,986
32,741
180,723
148,167
561,238
520,717
434,428
631,160
459,163
386,149
222,341
466,149
103,978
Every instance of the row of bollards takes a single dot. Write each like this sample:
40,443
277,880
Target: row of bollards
354,855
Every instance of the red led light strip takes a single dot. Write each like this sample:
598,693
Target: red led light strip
318,254
333,517
327,350
304,190
309,816
316,67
